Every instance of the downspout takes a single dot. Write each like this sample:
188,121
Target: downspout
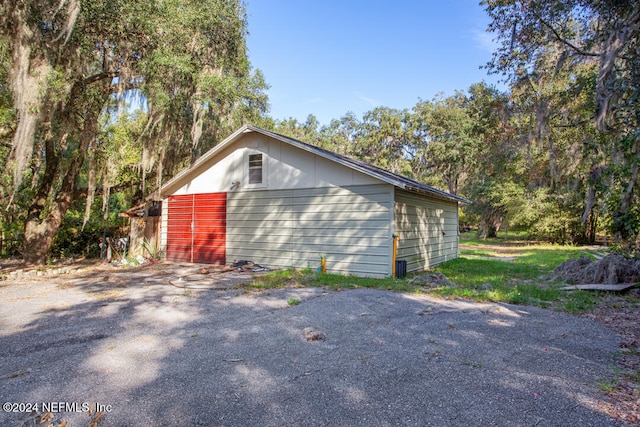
395,254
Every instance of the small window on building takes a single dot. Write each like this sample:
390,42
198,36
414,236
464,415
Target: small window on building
255,168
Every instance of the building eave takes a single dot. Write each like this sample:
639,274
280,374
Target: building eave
396,180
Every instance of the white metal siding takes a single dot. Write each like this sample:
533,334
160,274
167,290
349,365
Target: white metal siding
350,226
284,167
428,230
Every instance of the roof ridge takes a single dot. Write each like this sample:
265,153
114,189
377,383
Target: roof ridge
414,185
366,168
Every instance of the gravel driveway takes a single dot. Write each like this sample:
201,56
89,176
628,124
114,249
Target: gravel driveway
156,354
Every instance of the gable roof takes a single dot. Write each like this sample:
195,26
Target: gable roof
394,179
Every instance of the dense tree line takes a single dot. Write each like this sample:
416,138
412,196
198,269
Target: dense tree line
68,70
575,81
557,153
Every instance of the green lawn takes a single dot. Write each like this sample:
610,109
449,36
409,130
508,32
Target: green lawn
511,269
507,269
516,278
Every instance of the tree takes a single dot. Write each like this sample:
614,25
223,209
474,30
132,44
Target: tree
447,146
340,135
495,180
307,131
68,62
587,43
385,139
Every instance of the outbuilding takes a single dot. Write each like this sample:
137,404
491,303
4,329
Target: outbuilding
282,203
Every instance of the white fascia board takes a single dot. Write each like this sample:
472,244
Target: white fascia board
174,183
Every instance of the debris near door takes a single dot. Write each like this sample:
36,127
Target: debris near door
312,335
216,269
585,274
242,266
249,266
600,287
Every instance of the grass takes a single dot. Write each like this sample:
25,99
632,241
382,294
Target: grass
307,277
506,269
510,270
473,364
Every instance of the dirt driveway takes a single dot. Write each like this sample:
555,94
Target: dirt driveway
162,346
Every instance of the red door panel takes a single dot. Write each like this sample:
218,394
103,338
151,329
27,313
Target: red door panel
179,236
210,226
196,228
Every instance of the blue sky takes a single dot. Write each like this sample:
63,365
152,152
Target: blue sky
329,57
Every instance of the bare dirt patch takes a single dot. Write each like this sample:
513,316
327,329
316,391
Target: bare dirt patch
504,253
115,275
621,313
430,280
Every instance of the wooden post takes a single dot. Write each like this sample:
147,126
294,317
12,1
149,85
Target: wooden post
395,254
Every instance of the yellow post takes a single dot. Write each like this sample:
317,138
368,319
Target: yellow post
395,254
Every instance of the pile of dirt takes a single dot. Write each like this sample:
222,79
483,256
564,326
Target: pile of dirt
431,280
611,269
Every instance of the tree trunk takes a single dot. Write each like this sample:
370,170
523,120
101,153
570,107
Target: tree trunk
27,76
38,237
490,224
35,242
623,228
42,223
39,232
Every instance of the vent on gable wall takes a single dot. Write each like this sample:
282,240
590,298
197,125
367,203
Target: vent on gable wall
255,168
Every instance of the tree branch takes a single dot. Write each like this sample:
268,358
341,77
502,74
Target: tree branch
101,76
562,40
81,193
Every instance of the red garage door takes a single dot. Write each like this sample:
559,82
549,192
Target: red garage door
196,228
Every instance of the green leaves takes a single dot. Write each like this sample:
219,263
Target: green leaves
448,138
573,65
186,60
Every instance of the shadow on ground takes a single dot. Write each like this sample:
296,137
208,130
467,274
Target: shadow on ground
163,355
